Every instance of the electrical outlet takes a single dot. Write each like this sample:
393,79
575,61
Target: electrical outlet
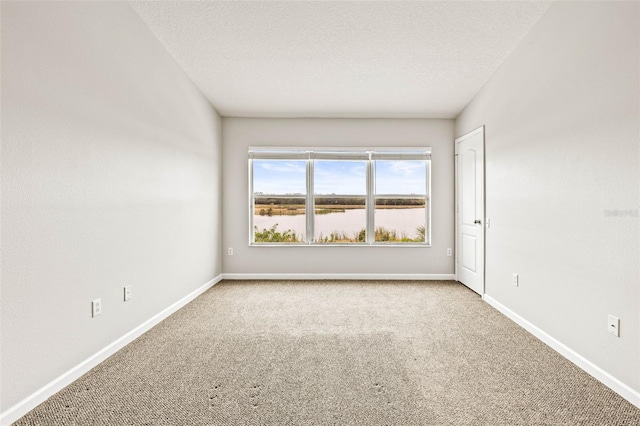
613,325
230,251
515,280
127,293
96,307
449,252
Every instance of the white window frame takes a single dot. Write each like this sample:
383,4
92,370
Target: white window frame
370,155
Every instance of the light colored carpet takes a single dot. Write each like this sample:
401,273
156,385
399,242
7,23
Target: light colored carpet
344,353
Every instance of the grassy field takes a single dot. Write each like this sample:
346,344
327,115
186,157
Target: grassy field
293,210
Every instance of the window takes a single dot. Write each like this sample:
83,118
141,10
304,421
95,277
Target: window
279,198
340,201
401,201
339,197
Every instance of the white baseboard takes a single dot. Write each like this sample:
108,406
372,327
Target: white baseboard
607,379
29,403
338,277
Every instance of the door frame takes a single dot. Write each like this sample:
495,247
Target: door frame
479,130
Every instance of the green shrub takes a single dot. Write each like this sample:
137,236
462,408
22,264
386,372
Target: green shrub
272,235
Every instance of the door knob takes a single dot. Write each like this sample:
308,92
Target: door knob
477,222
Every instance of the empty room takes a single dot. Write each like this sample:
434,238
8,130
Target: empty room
320,213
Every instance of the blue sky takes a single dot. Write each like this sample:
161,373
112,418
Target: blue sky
338,177
400,177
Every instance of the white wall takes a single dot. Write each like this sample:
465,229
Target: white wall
562,131
240,133
110,176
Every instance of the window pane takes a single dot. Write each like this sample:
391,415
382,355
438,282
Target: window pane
282,177
404,177
340,220
400,220
279,220
340,177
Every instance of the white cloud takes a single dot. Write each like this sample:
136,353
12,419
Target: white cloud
400,177
279,177
340,177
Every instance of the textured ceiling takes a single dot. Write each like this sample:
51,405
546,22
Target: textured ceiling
340,59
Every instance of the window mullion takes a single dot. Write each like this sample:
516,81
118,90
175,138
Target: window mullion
251,202
427,205
310,202
371,206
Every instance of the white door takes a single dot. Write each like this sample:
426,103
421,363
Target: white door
470,210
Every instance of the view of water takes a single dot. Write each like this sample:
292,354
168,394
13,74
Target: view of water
403,221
